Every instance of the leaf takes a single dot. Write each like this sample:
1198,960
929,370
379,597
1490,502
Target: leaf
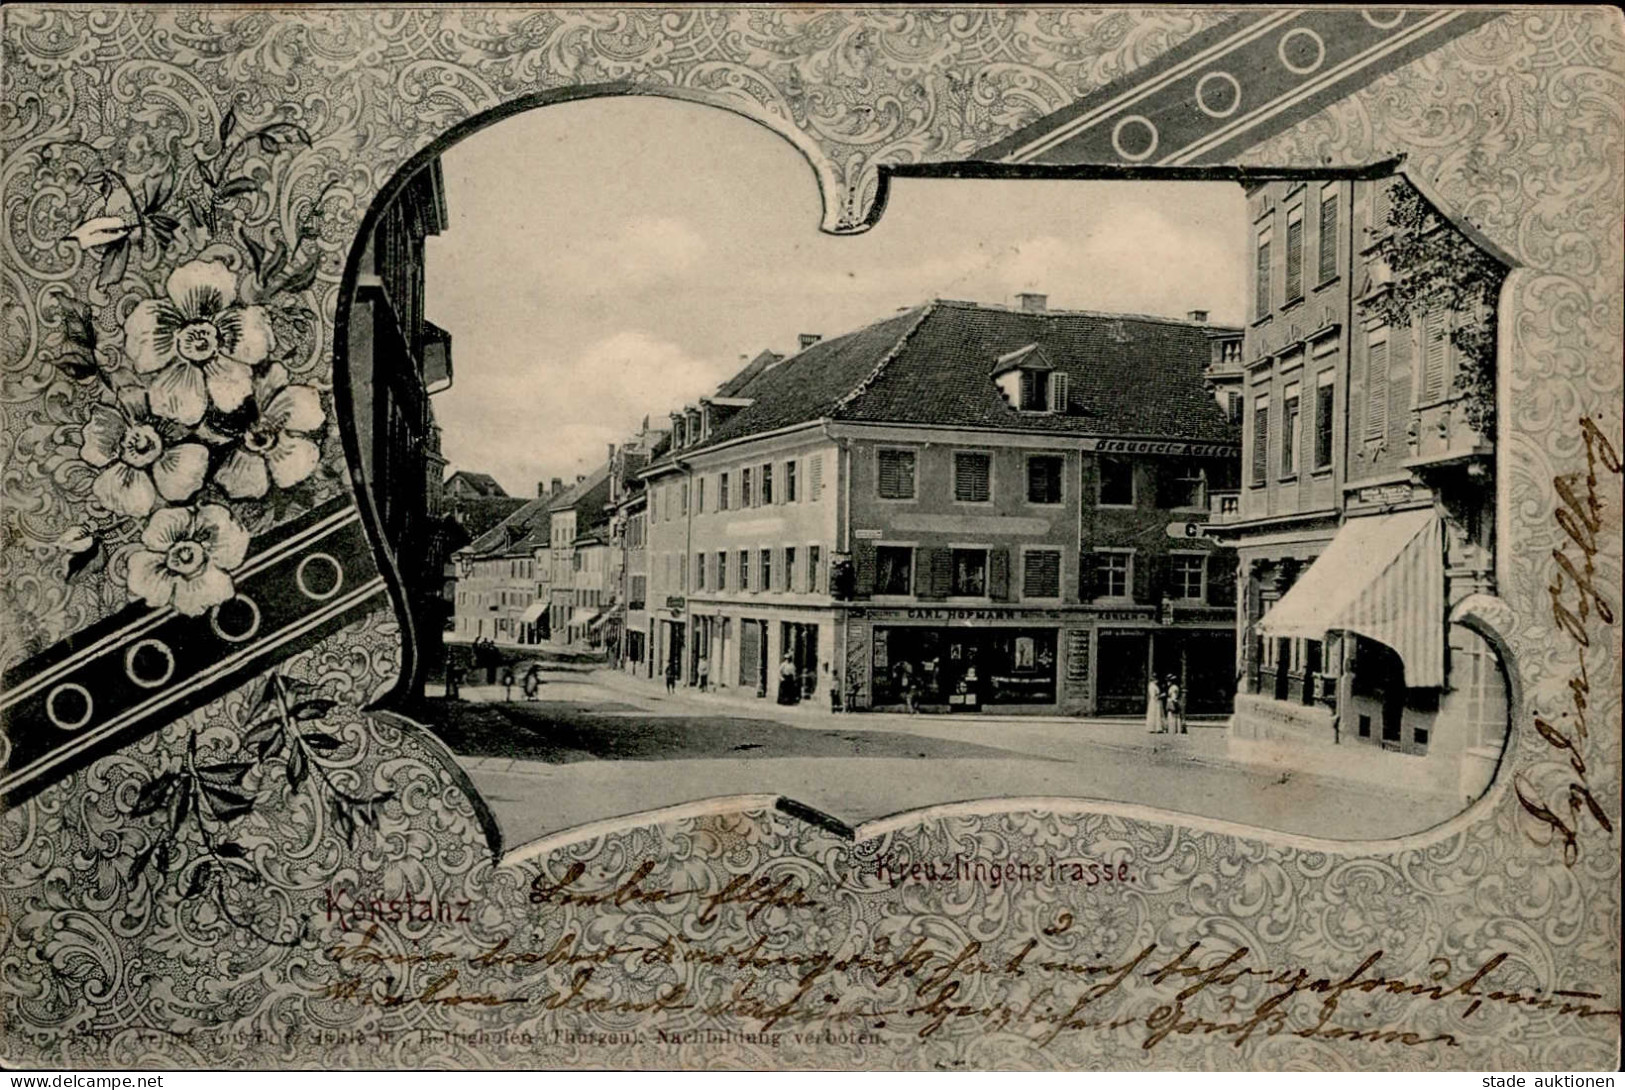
227,805
302,279
139,863
312,709
92,560
228,123
181,808
78,326
321,743
115,259
264,700
163,228
226,772
236,187
153,794
161,857
200,878
204,172
157,197
298,768
256,254
268,142
273,264
100,232
195,207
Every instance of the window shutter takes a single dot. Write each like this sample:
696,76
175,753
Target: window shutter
1261,441
1435,367
1328,236
1294,255
815,477
863,568
1060,391
998,575
1261,287
971,471
1040,574
942,572
1376,391
1028,389
922,573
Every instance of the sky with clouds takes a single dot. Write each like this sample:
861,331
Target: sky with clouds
616,258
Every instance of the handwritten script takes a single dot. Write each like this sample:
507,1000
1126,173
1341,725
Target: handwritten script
1575,599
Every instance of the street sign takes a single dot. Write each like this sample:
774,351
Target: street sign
867,535
1183,530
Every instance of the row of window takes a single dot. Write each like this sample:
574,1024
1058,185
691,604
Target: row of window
1179,483
1292,289
751,486
785,568
965,573
1291,429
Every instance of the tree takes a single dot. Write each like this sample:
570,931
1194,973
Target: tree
1434,266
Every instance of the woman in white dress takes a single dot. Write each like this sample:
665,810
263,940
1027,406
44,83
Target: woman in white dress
1153,708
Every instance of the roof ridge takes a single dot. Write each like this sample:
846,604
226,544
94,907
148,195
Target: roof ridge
868,380
1068,312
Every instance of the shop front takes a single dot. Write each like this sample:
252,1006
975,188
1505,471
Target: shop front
962,660
1197,655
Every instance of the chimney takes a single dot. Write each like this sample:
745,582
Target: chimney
557,486
541,489
809,339
1197,315
611,453
1032,302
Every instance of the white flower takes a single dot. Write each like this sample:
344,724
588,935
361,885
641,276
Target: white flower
187,556
197,345
274,447
138,461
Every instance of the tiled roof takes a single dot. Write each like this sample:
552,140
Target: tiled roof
587,498
478,514
1130,375
764,358
482,484
518,533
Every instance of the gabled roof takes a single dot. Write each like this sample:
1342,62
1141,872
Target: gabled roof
1130,375
1031,357
477,514
587,499
517,534
481,484
764,359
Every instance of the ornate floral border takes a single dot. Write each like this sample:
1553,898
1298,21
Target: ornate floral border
118,127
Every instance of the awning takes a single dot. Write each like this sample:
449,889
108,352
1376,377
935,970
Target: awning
1382,577
600,620
533,613
583,616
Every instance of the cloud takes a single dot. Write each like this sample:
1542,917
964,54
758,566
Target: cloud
640,251
531,418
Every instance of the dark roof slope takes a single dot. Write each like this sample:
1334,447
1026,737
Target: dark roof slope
481,484
765,358
520,532
477,514
1130,375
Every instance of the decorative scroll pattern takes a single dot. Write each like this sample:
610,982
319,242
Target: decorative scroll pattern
1519,125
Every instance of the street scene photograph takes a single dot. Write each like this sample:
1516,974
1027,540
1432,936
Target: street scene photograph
1177,494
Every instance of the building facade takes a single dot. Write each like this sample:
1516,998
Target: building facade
1366,512
505,578
580,509
397,360
981,507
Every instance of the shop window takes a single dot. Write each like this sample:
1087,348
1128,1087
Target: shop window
969,573
894,569
1116,482
896,474
1044,478
1113,574
1041,573
973,473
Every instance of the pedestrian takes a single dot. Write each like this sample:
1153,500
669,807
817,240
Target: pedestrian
671,676
705,675
507,683
835,693
533,681
1153,707
789,691
1176,707
454,678
908,687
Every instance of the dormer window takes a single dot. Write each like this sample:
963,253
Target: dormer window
1031,383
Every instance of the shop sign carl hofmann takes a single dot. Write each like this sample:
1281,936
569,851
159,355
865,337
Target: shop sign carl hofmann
1166,616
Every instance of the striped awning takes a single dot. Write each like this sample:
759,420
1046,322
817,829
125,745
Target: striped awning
533,613
1383,578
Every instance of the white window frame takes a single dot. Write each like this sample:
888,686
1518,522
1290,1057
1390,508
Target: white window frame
1060,573
953,477
1128,573
1201,558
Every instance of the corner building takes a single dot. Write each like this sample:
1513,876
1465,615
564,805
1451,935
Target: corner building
1000,509
1365,523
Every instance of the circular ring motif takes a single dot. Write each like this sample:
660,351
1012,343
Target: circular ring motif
299,575
144,645
1117,138
1202,94
56,717
235,637
1301,69
1395,17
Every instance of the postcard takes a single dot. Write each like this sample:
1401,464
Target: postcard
787,537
